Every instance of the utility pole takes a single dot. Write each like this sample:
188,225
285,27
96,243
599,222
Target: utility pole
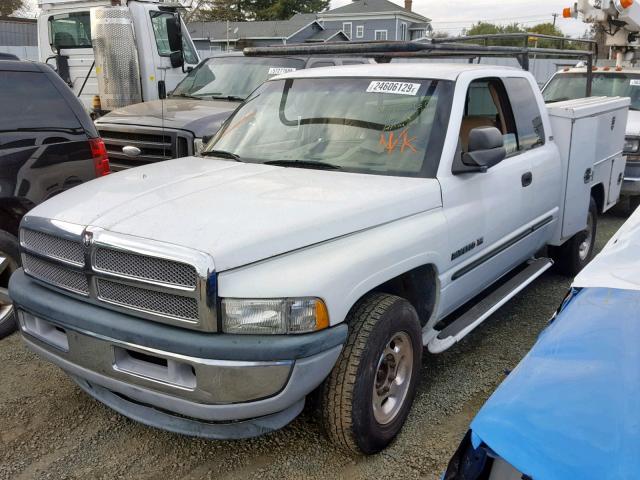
555,15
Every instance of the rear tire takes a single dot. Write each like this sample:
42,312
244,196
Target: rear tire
577,252
8,249
367,397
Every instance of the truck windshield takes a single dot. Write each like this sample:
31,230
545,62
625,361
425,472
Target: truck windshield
364,125
568,86
233,77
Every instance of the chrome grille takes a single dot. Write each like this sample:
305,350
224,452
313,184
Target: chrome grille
55,274
145,267
148,300
53,246
154,145
148,279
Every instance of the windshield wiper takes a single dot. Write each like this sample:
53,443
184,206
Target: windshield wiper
185,95
231,98
304,164
221,154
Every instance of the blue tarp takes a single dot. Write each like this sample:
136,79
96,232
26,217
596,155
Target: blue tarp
571,408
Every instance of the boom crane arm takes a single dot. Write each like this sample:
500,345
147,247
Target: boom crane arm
618,19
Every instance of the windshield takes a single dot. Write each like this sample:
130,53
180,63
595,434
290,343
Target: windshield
568,86
365,125
234,77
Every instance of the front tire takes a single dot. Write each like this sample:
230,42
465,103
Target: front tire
577,252
367,397
9,251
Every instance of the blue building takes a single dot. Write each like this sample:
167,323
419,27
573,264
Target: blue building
360,20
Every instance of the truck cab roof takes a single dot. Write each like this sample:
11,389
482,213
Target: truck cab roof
440,71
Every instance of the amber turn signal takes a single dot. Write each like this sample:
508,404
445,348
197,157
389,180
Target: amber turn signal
626,3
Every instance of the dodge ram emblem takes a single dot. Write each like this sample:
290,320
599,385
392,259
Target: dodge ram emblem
87,238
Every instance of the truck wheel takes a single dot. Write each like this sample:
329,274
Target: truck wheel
577,252
368,395
8,250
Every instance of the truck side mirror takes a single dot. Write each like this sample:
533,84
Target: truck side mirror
174,35
486,149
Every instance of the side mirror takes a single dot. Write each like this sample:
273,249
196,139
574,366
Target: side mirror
176,59
174,33
486,149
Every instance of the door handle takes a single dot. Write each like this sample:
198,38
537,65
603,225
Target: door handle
527,178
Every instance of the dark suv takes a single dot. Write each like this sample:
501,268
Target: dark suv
48,144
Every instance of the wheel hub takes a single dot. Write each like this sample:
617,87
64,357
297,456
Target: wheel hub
393,376
7,266
585,245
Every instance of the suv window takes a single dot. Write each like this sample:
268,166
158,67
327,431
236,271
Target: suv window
527,113
159,24
487,105
30,101
70,30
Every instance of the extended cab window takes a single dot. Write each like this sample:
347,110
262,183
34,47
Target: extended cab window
159,24
527,113
365,125
70,30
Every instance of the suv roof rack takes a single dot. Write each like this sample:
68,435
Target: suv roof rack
460,47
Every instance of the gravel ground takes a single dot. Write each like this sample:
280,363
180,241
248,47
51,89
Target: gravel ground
51,429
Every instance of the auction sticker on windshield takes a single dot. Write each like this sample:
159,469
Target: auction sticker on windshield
634,82
280,70
398,88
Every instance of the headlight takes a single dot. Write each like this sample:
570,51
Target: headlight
273,316
631,145
198,146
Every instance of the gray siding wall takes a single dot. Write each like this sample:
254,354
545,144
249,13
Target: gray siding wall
370,26
18,34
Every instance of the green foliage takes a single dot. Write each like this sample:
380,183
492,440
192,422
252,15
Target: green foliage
246,10
10,7
484,28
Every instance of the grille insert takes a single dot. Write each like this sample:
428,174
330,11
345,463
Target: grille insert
53,246
144,267
56,275
148,300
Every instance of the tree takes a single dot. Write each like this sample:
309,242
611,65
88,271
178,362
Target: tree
285,9
9,7
240,10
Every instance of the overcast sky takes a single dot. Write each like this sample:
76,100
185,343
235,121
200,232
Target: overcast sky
453,15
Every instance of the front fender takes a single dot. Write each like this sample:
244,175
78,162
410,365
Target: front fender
342,270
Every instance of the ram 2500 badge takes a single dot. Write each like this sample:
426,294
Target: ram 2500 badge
343,219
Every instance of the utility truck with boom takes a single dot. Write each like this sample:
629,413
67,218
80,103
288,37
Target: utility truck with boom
341,219
618,75
122,51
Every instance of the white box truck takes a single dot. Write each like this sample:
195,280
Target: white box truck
125,51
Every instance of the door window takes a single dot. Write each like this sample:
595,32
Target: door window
487,105
159,24
527,113
70,30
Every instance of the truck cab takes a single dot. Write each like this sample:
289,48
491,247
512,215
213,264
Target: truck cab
65,42
570,83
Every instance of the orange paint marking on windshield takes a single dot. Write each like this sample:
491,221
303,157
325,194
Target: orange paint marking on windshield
391,142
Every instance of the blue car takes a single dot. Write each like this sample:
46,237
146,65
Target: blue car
571,408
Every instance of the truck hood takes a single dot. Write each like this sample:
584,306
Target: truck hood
239,213
200,117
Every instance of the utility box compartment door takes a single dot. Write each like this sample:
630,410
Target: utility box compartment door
589,133
615,182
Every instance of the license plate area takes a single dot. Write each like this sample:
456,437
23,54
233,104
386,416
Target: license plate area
155,368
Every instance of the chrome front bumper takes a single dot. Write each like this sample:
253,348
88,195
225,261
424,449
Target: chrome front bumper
630,186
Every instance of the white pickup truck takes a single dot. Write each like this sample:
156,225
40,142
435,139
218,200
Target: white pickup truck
341,220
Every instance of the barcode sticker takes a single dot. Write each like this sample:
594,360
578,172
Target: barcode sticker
280,70
634,82
397,88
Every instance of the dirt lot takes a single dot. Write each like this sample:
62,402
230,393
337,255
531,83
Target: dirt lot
51,429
